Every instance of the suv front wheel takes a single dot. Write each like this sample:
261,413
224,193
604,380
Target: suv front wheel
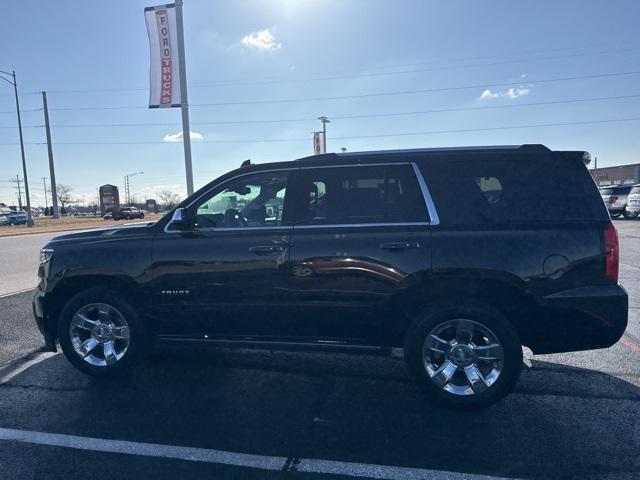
465,354
100,333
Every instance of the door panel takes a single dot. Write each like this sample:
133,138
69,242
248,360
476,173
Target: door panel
218,282
228,274
361,235
349,278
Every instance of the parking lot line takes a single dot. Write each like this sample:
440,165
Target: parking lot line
5,295
262,462
19,365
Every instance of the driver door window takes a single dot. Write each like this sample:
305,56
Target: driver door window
252,201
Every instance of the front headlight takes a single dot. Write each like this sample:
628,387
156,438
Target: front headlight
45,255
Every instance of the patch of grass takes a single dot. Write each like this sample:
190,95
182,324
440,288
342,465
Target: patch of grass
47,224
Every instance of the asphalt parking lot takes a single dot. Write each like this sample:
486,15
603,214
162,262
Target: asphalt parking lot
218,413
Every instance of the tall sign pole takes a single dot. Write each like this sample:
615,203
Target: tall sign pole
168,73
52,172
186,130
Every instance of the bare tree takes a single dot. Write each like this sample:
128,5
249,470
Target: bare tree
168,198
64,195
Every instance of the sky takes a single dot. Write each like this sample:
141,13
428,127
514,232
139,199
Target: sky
496,72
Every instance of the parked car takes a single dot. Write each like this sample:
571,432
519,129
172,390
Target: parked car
4,220
127,213
17,218
615,198
453,258
108,216
633,202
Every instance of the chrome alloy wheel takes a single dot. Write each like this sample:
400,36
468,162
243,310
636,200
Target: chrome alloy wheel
99,334
462,357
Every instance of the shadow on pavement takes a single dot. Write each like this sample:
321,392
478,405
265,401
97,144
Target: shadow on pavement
560,421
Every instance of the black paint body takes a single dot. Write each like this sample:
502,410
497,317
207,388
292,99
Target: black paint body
347,285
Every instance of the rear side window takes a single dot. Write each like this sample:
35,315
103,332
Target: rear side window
358,195
482,189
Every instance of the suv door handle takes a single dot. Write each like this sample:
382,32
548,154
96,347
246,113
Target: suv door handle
264,249
399,245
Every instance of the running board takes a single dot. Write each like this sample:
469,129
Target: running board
320,345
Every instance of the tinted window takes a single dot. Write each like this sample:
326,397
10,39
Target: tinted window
251,201
606,191
484,188
358,195
621,190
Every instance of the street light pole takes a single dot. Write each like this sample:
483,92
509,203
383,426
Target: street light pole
324,121
24,162
127,186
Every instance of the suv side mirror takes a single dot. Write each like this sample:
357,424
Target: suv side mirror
179,220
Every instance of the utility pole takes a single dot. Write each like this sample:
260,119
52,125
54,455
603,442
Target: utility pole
12,75
324,121
127,186
46,203
52,173
17,181
184,102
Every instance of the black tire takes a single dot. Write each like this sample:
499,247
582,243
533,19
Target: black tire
615,214
445,311
628,215
137,340
141,215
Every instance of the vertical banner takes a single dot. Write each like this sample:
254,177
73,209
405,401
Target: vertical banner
164,70
318,143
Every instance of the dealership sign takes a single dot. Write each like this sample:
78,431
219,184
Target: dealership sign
164,71
318,143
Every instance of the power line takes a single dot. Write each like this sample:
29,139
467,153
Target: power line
348,117
323,77
356,137
370,95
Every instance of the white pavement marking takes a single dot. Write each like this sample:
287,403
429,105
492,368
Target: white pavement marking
16,367
4,295
261,462
384,472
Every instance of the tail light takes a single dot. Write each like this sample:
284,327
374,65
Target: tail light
611,253
613,199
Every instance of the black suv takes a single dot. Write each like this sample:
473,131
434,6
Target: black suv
454,258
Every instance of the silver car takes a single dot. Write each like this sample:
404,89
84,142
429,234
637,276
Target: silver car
615,198
633,202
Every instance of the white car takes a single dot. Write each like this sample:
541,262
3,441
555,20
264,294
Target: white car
633,202
615,198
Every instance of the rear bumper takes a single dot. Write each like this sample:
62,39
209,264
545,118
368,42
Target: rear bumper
580,319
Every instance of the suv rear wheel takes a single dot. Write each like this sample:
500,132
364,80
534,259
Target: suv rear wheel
100,333
465,354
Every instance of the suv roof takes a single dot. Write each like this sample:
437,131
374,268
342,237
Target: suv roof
372,154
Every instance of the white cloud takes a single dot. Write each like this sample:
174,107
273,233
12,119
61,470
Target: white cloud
517,92
177,137
513,92
262,40
489,94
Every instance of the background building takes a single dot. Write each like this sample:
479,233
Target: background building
618,174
